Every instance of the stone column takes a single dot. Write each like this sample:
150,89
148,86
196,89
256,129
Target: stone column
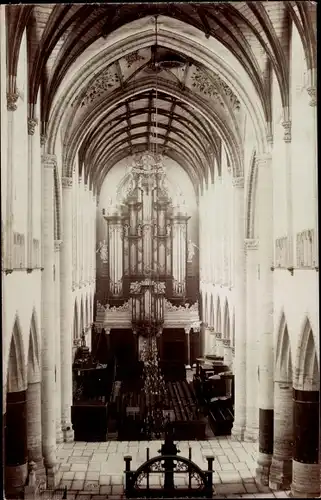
287,124
34,433
48,322
219,344
32,122
12,98
59,434
312,91
203,338
252,382
240,309
212,340
207,340
227,353
188,346
306,469
16,443
66,310
265,312
281,466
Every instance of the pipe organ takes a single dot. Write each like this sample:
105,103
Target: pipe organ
146,231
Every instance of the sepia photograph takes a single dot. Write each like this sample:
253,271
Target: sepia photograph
159,250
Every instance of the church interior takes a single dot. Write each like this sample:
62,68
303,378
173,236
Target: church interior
159,234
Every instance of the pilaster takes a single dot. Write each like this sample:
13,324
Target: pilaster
252,414
312,92
66,310
287,125
265,311
59,434
48,320
240,309
32,122
12,99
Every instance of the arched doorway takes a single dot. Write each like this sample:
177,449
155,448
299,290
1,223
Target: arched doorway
16,450
281,467
306,467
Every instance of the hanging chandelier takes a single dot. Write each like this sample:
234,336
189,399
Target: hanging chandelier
150,164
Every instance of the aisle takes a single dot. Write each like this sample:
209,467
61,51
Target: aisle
97,468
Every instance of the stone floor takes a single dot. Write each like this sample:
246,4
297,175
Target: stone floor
93,471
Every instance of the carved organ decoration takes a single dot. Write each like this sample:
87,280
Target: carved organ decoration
147,229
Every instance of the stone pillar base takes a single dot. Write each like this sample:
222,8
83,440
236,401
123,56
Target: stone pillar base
263,468
306,480
15,480
238,432
251,435
280,474
59,435
68,434
52,477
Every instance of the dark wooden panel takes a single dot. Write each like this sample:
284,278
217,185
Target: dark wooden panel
306,426
195,341
89,421
16,429
266,431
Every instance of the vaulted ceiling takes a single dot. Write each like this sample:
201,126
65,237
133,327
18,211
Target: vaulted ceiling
128,96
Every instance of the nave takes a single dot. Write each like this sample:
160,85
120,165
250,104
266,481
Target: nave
159,229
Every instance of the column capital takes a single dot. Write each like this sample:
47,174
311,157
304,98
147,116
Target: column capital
49,161
251,244
263,160
107,331
43,139
312,91
66,182
238,182
57,245
32,123
226,342
187,330
218,335
287,125
12,98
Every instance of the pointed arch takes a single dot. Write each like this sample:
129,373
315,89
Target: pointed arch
33,352
76,321
218,316
283,361
306,369
16,372
226,330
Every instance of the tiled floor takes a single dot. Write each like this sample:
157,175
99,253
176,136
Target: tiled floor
95,470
